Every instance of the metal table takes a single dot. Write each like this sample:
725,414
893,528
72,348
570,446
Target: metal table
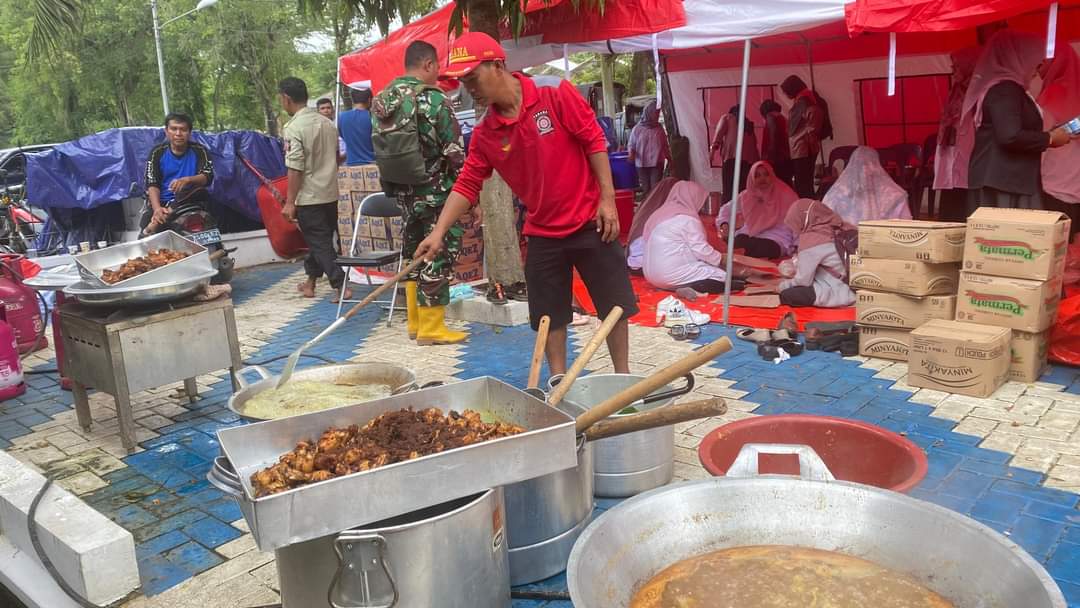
129,350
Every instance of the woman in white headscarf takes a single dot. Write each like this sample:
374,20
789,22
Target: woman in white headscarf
865,191
1002,125
677,250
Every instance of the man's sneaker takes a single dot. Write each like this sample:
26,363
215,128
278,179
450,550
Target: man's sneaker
496,294
518,292
671,311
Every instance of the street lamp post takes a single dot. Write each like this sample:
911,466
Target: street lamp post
157,43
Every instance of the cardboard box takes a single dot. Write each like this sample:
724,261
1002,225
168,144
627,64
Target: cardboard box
881,309
1021,243
466,273
962,358
1019,304
934,242
884,342
364,244
903,276
1028,356
382,245
379,227
371,178
397,228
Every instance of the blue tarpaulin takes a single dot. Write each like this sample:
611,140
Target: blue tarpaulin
100,168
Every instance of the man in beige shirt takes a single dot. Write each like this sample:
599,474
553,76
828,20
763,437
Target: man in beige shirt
311,147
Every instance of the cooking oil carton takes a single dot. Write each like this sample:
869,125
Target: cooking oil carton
963,358
903,276
884,342
1019,304
1021,243
881,309
934,242
1028,356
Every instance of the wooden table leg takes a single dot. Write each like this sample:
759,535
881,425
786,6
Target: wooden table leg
82,405
192,389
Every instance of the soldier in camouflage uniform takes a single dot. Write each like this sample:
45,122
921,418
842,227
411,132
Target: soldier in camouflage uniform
414,96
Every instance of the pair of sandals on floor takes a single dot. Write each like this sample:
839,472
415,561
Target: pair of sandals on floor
771,341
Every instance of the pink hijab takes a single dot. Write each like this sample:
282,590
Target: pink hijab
1009,56
813,223
763,208
686,198
945,170
1060,102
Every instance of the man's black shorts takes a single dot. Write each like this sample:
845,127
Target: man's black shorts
549,266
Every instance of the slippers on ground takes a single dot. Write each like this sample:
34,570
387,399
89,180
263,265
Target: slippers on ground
751,334
781,334
771,350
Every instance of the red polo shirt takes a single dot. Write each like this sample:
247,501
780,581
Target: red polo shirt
543,156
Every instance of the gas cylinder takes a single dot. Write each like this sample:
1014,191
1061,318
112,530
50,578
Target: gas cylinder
21,305
11,376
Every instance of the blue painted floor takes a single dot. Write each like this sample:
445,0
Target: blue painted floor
178,519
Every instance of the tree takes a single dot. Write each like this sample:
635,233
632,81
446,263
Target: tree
53,19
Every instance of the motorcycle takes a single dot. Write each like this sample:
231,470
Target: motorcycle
17,223
190,219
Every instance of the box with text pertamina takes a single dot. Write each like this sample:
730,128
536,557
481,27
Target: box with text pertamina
962,358
881,309
1019,304
903,276
934,242
1021,243
884,342
1028,356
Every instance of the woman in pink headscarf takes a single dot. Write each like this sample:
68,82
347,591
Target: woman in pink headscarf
1060,102
1002,126
677,251
759,225
820,275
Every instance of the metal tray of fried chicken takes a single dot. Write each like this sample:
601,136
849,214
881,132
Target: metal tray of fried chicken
311,511
93,263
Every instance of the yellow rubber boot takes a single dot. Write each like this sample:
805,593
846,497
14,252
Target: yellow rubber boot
411,306
433,329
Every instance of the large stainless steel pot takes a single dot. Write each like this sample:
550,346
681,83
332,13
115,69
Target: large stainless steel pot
546,514
399,379
635,462
961,559
451,555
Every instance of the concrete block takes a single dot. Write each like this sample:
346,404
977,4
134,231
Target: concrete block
94,556
478,310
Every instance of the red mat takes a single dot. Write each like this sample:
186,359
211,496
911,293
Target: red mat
649,296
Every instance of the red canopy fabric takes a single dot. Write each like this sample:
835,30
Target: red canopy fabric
552,21
935,15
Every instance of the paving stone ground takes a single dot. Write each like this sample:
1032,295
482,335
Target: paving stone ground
1011,461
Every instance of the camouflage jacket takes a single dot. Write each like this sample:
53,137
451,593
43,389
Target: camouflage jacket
440,134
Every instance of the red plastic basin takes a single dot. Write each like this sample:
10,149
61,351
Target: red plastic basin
853,451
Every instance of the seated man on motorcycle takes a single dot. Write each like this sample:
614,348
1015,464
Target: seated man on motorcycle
178,170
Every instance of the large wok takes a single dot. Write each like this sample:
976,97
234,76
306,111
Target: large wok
399,379
956,556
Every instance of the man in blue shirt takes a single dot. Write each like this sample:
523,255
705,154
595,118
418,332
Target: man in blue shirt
355,128
178,169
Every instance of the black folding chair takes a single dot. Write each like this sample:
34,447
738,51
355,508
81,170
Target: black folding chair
373,205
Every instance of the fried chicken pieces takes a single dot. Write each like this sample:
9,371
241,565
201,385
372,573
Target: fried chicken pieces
391,437
136,266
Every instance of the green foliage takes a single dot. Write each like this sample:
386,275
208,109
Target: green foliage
52,20
590,70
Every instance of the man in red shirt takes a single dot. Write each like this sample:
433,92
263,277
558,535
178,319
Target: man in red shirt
544,140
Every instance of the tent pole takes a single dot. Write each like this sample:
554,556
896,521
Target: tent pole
337,92
735,182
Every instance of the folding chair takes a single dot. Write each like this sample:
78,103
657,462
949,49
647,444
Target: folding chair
373,205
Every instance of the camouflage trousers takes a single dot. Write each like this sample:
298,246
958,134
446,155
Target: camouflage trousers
433,279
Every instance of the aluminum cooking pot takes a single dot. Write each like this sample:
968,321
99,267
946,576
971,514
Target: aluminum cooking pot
400,379
953,555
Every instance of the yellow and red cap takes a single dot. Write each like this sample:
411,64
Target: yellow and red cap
469,51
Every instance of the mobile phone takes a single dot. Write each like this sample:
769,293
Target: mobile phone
1073,126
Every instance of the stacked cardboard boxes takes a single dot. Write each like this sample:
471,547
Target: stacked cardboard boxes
469,266
354,184
955,357
1014,260
905,274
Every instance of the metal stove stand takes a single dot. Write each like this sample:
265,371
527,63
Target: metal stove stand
129,350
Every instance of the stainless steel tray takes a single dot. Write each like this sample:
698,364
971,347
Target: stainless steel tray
92,263
53,279
328,507
141,295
